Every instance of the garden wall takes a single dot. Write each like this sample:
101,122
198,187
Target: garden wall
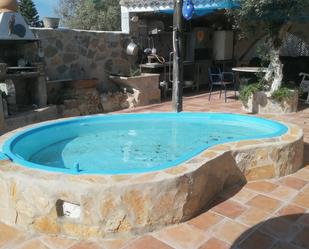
77,54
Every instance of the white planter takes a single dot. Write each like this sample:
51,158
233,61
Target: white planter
51,22
261,102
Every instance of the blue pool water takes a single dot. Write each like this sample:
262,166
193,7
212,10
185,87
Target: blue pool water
131,143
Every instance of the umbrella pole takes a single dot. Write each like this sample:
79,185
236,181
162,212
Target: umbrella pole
177,104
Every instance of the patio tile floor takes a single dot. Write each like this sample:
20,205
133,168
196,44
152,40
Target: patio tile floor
269,214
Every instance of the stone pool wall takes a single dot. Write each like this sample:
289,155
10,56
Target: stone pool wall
120,205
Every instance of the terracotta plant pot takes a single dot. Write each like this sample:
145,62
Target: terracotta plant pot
8,6
51,22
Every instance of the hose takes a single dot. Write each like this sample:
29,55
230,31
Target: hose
160,59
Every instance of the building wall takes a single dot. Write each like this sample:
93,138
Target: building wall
77,54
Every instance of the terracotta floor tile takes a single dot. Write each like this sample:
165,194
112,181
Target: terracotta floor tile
302,199
265,203
253,216
148,242
279,228
283,193
302,238
181,237
229,209
257,240
302,174
10,236
86,245
57,242
206,220
230,231
244,195
114,243
293,182
33,244
214,243
262,186
291,212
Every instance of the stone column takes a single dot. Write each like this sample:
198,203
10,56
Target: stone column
40,92
40,88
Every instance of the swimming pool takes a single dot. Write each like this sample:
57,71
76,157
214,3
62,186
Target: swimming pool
135,143
118,175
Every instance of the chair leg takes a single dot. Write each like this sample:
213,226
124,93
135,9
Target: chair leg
210,90
307,99
225,93
220,91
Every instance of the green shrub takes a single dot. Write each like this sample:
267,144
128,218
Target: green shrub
247,90
282,94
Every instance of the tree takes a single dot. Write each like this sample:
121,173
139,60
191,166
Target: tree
90,14
272,19
28,10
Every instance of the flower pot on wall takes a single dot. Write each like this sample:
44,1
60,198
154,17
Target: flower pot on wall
8,6
263,103
51,22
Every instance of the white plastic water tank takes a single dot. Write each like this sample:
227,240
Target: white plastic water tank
223,45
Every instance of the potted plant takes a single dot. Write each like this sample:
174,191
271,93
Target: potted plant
256,98
51,22
270,20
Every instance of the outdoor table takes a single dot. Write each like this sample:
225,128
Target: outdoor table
248,70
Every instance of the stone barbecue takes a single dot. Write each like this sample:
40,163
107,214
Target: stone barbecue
22,77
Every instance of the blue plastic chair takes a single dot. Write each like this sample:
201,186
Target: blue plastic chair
223,79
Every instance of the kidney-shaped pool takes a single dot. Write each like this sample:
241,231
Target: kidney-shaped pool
135,143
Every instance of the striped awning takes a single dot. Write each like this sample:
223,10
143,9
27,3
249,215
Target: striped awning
161,5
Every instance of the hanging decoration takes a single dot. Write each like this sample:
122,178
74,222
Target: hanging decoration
188,9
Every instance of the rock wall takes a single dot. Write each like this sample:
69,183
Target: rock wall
77,54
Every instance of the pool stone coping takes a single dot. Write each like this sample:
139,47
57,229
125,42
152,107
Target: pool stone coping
123,205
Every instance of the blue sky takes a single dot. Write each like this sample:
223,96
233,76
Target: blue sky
45,7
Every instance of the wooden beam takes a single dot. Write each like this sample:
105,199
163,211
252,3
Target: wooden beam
177,105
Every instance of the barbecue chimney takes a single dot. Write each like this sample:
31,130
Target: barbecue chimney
12,25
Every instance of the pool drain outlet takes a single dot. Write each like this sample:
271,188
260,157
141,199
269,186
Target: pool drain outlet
68,210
